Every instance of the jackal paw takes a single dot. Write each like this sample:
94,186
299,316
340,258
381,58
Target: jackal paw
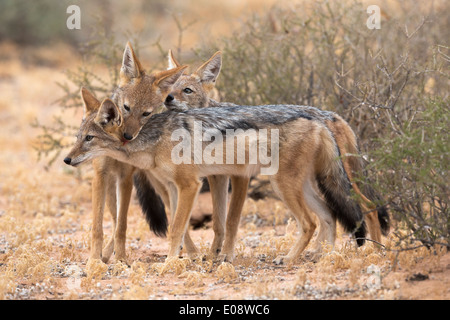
282,260
196,256
226,257
279,260
215,251
123,261
313,256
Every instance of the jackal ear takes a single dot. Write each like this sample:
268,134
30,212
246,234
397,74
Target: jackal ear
91,104
108,114
172,62
164,80
131,66
209,71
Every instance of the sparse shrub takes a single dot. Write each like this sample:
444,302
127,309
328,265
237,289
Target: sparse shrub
415,180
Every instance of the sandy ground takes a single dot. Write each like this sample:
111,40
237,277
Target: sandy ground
45,222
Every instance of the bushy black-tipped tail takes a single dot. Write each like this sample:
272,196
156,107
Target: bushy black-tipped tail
151,204
335,186
343,207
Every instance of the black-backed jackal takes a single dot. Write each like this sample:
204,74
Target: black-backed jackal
300,155
139,96
192,91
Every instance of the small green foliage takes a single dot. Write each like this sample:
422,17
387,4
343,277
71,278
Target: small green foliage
415,167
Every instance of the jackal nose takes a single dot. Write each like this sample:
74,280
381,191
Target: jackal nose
67,160
169,98
127,136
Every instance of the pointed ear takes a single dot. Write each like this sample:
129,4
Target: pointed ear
172,62
131,66
108,114
91,104
209,71
166,79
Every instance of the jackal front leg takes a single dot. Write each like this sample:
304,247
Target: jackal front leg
187,194
99,185
120,234
191,249
111,204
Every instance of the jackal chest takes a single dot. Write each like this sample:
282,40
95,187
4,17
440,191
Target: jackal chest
143,160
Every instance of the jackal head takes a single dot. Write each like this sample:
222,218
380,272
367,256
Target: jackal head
100,129
194,90
139,95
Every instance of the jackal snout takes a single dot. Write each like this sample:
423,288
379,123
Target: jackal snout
131,129
127,136
169,98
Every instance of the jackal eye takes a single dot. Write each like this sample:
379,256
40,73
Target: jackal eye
146,114
126,107
89,138
187,90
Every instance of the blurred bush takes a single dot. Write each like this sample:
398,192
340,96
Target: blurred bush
34,22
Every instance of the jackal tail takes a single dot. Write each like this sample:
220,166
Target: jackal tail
335,186
151,204
368,194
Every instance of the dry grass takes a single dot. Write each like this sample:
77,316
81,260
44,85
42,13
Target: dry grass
45,221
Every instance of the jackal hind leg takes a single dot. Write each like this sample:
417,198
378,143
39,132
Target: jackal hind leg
327,223
373,224
219,194
291,192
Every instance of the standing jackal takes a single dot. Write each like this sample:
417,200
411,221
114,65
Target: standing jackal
194,90
138,95
307,160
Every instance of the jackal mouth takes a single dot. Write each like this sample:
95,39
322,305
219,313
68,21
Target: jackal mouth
175,105
75,164
169,104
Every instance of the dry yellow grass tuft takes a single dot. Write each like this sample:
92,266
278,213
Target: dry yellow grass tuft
95,271
226,272
171,265
192,279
